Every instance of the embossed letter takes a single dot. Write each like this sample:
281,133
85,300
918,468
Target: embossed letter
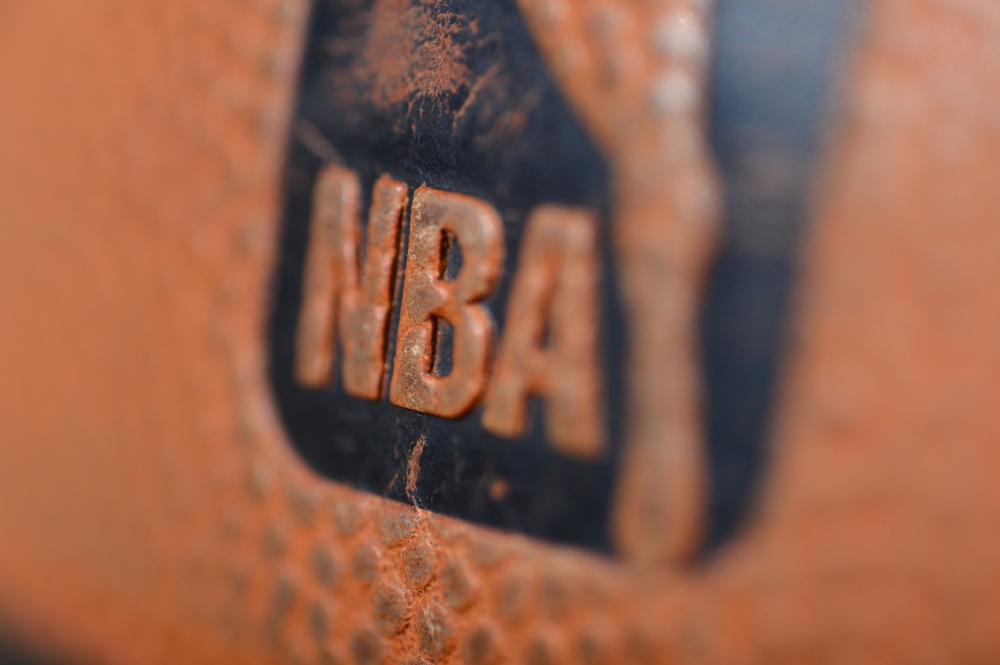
555,287
332,294
427,296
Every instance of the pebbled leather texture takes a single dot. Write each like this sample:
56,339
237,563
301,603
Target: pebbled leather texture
153,511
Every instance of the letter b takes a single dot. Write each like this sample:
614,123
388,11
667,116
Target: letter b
427,297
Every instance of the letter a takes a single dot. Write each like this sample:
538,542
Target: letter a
427,296
555,287
333,297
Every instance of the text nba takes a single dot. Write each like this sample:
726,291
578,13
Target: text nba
549,347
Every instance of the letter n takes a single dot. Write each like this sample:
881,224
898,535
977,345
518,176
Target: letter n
333,298
555,289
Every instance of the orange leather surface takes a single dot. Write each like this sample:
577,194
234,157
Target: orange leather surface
152,511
